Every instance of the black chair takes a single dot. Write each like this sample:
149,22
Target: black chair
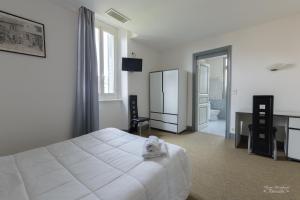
262,137
136,122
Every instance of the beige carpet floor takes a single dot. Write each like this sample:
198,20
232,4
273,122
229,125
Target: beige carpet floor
221,172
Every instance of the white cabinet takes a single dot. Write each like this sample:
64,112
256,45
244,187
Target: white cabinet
294,138
164,126
164,117
294,122
293,144
170,90
168,93
156,92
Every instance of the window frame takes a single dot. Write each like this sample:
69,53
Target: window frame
114,31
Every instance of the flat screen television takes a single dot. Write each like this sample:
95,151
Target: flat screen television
132,64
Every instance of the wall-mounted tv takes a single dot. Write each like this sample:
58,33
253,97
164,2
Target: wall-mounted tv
132,64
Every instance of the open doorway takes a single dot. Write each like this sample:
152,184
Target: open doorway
212,81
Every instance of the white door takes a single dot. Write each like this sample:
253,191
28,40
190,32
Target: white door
170,90
156,92
203,95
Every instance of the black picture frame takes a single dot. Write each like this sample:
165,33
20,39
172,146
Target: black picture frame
18,32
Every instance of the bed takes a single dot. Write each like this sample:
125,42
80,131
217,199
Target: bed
103,165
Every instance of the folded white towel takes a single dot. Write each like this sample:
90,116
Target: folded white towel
153,138
152,144
162,152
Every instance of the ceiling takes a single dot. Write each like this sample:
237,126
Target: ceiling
164,24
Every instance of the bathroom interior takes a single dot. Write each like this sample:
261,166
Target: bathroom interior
217,95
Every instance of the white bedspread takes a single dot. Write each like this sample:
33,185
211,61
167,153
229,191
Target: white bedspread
103,165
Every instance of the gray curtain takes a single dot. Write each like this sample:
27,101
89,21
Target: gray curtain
87,105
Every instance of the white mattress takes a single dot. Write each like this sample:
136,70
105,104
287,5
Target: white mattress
103,165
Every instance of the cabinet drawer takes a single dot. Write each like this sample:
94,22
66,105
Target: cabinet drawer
293,144
164,117
164,126
294,122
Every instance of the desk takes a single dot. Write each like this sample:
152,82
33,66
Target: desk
288,131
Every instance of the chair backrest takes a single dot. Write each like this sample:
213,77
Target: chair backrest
262,125
133,109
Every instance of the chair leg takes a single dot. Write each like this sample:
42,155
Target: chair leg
140,129
285,145
274,149
249,143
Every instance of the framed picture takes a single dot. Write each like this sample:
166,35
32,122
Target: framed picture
20,35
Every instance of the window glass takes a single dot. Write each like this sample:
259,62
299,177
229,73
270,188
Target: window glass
109,63
106,38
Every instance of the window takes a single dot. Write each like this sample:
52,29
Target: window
106,48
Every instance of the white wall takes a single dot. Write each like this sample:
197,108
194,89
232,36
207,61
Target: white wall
114,114
253,50
138,82
36,94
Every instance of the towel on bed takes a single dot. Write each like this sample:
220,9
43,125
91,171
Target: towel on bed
162,151
153,144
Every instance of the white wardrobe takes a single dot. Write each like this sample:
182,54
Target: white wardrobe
168,98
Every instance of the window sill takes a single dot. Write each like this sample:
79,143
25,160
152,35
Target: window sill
109,100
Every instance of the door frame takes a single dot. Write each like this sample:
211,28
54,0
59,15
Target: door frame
226,50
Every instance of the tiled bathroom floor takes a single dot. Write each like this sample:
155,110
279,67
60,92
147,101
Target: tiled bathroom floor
215,127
